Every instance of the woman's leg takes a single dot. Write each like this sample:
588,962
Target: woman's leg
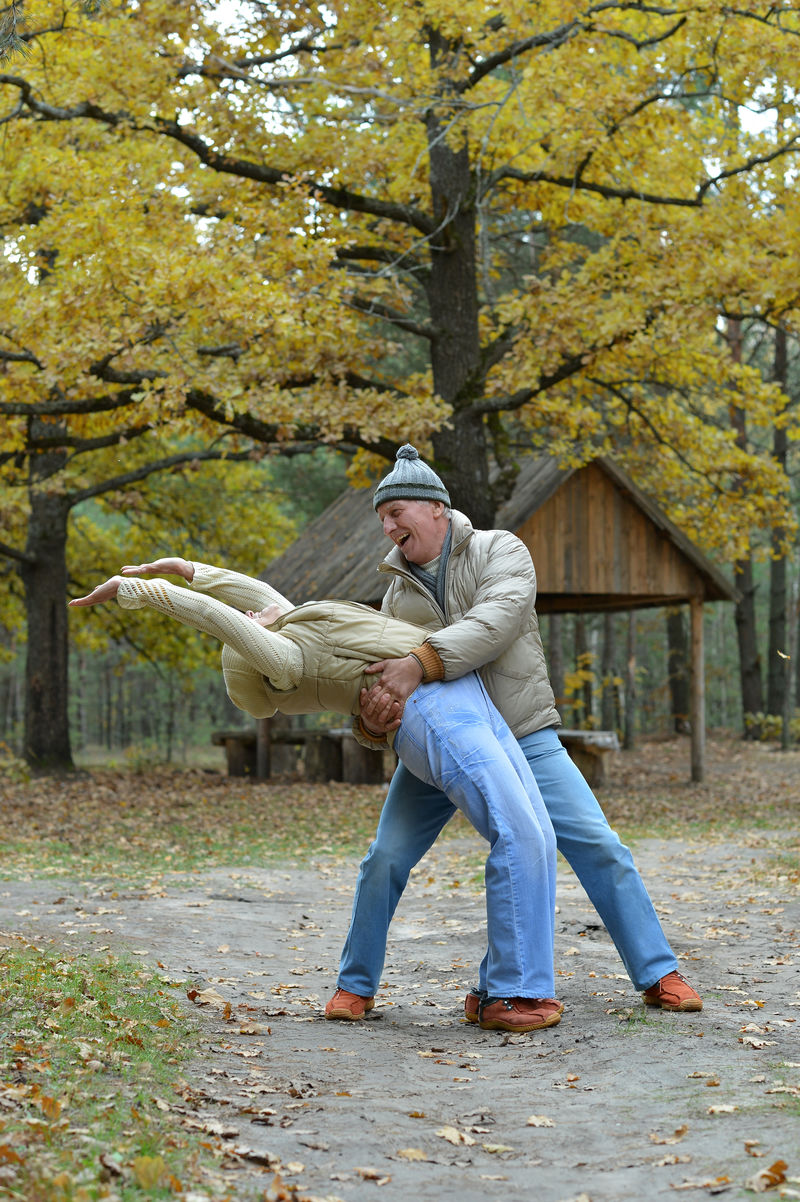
449,736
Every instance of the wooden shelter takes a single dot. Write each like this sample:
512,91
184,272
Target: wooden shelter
598,543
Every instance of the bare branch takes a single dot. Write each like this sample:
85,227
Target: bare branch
14,553
51,437
375,309
149,469
64,407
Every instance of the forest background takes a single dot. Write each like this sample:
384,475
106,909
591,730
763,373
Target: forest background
249,249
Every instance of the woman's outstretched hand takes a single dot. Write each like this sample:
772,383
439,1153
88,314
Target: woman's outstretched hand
172,565
104,592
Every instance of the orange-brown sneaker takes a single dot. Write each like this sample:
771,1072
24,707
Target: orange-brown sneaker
672,992
348,1005
519,1013
472,1004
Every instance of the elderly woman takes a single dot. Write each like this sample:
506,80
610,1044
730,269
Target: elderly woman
311,658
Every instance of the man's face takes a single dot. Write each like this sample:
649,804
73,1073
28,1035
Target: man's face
418,528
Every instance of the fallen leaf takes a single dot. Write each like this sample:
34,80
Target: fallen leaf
370,1174
766,1178
148,1170
722,1109
207,997
539,1120
453,1136
675,1138
412,1154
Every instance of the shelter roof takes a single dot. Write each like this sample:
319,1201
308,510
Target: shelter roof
597,540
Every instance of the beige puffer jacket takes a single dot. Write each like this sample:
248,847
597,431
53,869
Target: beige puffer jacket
490,623
311,659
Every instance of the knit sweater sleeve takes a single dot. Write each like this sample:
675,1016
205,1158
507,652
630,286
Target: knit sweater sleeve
242,592
270,653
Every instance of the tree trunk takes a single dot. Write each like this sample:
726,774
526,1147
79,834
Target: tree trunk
749,659
678,670
460,451
629,732
777,676
44,575
583,663
555,655
609,719
746,632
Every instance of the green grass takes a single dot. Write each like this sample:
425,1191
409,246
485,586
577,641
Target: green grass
89,1060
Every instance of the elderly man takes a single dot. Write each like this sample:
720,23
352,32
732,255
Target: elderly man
475,589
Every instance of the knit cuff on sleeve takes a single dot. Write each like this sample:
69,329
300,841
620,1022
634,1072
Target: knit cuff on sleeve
381,739
429,660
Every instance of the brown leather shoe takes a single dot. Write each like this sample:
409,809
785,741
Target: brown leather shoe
472,1004
348,1005
672,992
519,1013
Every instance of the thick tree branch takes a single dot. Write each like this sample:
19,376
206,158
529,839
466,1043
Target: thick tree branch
375,309
149,469
337,197
15,553
55,440
575,183
64,407
538,41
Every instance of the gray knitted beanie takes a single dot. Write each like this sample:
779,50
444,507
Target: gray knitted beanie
410,480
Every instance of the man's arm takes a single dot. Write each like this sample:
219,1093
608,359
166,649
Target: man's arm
498,613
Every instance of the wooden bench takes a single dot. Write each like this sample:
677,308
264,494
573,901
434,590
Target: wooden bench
333,754
589,749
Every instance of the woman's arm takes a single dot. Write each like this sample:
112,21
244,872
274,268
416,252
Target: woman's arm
234,588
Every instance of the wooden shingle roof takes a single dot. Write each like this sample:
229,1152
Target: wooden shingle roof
598,542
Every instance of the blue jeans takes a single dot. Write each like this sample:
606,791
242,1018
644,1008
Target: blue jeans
453,740
415,812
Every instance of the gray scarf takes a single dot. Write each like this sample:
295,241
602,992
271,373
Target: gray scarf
434,581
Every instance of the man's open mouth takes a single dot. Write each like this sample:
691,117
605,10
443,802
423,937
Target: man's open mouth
403,538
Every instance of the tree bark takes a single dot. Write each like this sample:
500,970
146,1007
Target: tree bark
609,705
749,658
678,670
777,676
555,655
44,575
460,451
746,632
629,732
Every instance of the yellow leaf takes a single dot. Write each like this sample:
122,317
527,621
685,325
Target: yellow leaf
539,1120
767,1178
148,1170
453,1136
675,1138
412,1154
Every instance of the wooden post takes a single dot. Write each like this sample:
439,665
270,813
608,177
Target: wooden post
698,691
263,765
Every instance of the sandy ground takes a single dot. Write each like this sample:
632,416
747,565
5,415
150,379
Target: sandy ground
617,1102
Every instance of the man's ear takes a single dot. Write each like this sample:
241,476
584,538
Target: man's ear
438,508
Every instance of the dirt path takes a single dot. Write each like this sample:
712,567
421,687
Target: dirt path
413,1102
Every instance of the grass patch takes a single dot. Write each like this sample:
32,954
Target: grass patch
90,1056
135,827
130,827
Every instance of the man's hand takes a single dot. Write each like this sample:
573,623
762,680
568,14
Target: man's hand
173,565
398,677
380,713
